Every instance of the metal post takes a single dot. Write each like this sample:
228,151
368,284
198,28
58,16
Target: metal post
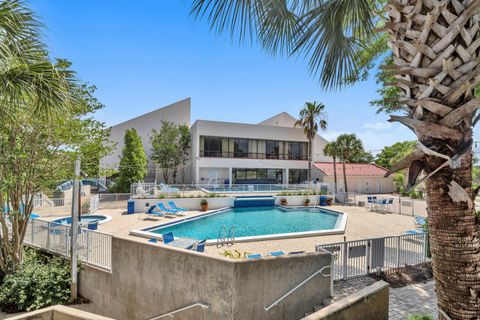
74,231
345,258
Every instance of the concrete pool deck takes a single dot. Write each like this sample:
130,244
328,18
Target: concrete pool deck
361,224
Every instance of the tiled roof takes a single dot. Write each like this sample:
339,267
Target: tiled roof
352,169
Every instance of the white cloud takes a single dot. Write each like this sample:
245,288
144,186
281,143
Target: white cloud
378,126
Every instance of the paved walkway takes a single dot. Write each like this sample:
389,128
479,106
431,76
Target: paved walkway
413,299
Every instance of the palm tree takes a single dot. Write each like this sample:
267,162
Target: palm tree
312,117
436,51
27,77
330,149
348,146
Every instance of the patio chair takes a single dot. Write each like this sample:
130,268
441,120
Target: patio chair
168,237
276,253
174,206
200,246
164,210
153,212
254,256
371,200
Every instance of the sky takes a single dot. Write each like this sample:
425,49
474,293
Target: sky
145,54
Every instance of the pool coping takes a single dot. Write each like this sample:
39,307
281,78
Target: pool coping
338,229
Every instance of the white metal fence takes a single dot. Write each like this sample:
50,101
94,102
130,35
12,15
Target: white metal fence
94,247
362,257
399,205
94,203
113,200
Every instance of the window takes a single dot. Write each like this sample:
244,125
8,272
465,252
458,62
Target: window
240,148
272,149
297,150
212,147
251,174
296,176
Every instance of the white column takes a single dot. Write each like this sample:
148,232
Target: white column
285,176
230,176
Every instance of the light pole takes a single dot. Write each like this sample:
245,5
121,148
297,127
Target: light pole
74,231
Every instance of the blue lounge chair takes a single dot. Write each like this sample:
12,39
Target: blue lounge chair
164,210
168,237
153,240
153,211
174,206
276,253
200,246
254,256
34,216
412,232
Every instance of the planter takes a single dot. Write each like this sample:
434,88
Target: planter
284,202
329,201
204,207
306,203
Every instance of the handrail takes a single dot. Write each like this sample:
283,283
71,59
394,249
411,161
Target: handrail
298,286
171,314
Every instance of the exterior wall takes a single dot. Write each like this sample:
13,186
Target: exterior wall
362,184
178,112
251,131
58,312
370,303
148,280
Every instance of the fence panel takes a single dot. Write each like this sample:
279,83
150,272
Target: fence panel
93,247
113,200
94,201
362,257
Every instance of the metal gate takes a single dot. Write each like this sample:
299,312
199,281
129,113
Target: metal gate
362,257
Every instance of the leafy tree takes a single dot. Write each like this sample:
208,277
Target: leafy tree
312,117
170,148
133,162
435,52
390,155
349,147
331,150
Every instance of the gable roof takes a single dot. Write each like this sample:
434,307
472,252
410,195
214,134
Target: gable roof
283,119
352,169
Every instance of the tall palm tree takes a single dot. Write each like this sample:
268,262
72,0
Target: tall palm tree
436,51
27,77
348,146
330,149
312,117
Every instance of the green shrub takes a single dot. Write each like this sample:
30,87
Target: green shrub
419,317
41,280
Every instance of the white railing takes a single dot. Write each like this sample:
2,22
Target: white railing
172,314
94,247
362,257
151,190
94,203
319,271
113,200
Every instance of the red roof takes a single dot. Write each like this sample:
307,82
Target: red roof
352,169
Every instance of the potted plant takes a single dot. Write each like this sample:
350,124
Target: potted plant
306,202
204,205
283,202
329,201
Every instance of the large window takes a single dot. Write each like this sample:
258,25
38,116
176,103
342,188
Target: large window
240,148
296,176
224,147
257,176
212,147
297,150
272,149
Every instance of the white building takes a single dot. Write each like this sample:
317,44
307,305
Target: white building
272,151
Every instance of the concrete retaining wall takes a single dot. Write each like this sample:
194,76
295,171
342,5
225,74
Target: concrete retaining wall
217,203
369,303
59,313
148,280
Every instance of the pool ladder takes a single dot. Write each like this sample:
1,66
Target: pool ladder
225,238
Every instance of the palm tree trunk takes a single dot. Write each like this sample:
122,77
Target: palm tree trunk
335,173
436,50
345,176
454,244
309,159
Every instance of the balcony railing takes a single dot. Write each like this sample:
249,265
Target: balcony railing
252,155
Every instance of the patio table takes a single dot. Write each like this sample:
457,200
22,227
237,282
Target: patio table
185,243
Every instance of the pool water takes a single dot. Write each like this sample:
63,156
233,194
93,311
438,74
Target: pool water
254,221
83,218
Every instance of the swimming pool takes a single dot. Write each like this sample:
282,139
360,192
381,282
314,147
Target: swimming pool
254,223
85,219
